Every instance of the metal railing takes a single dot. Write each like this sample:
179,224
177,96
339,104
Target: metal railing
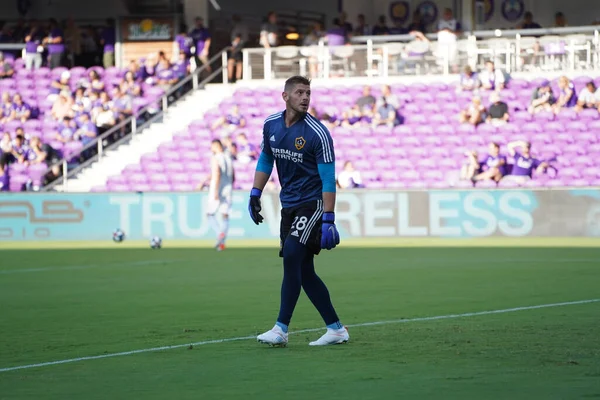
95,150
556,49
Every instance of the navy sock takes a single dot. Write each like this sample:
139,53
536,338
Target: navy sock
317,292
293,254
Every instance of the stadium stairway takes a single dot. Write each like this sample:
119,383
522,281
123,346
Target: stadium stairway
177,117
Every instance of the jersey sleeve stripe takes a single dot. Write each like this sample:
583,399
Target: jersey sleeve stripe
273,117
327,154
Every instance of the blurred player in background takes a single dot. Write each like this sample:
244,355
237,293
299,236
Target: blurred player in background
303,151
220,185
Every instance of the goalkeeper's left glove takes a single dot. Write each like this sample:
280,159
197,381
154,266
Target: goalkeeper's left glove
330,236
254,206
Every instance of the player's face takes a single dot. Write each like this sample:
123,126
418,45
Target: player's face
298,99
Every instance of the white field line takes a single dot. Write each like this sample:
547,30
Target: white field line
235,339
408,262
88,266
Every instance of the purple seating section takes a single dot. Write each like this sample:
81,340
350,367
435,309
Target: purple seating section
427,151
34,87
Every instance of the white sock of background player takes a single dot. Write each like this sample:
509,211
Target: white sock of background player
214,223
225,224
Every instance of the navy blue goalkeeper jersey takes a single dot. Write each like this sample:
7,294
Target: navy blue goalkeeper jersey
297,151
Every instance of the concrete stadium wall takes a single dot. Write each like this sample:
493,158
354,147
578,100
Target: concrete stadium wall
463,214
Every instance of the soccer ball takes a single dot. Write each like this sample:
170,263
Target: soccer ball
156,242
118,236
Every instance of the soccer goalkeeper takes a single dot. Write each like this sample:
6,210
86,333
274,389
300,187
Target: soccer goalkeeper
303,151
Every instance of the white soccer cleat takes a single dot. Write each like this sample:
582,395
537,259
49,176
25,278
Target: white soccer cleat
275,337
332,336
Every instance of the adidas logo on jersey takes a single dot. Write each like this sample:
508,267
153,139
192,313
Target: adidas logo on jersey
272,138
295,233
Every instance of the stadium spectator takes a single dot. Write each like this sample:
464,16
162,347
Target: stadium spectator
60,85
345,24
104,112
390,98
87,130
6,107
448,29
55,45
21,110
33,41
386,115
73,40
235,58
362,28
381,27
560,21
130,86
21,131
122,105
108,38
241,29
232,120
542,98
246,152
94,83
148,70
398,29
568,95
165,76
474,113
63,106
181,66
315,34
589,97
229,147
497,112
81,103
36,153
201,37
66,130
184,42
269,31
492,78
528,22
89,47
366,103
416,23
6,70
19,149
469,80
336,35
5,148
349,178
492,167
524,163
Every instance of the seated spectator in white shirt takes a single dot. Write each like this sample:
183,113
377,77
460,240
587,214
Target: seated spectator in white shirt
497,112
390,98
589,97
542,98
349,178
469,80
386,115
492,78
474,114
448,29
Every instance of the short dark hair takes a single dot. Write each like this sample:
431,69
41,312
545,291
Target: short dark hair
528,14
217,141
20,137
495,144
295,80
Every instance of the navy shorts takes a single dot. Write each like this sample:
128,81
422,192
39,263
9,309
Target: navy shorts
302,223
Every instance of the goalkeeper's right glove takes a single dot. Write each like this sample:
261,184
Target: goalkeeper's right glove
254,206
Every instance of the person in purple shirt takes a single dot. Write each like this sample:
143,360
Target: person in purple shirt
165,75
130,86
35,154
122,104
181,67
66,130
492,167
107,39
21,110
232,120
19,149
201,37
524,163
336,35
87,130
184,42
33,40
55,45
568,95
246,152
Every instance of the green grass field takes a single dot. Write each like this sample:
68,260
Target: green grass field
63,302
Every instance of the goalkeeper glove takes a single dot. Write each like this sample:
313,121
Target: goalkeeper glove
330,236
254,206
